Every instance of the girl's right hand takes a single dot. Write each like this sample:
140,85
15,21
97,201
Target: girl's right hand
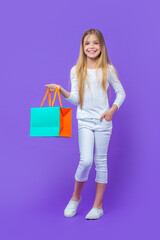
52,87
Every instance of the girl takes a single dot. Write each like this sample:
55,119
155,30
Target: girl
90,79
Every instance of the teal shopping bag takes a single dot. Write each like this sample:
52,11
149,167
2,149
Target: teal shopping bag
50,121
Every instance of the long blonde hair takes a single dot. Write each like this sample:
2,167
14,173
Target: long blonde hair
102,62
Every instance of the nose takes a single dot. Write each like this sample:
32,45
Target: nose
92,44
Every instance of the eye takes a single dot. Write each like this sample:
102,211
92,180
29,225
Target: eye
88,43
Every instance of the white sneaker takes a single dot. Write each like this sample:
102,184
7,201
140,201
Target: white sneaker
71,208
95,213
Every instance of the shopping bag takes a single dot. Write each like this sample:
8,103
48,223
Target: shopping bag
51,121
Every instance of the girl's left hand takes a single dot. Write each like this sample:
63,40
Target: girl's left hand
52,87
107,115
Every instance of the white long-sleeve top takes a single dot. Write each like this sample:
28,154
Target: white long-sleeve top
94,102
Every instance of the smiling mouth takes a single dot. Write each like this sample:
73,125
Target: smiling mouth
92,52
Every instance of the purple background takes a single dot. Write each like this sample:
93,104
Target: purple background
40,42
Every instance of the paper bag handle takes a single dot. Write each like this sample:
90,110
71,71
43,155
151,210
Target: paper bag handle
59,97
49,97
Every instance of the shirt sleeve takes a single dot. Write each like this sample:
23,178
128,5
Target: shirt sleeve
117,86
74,95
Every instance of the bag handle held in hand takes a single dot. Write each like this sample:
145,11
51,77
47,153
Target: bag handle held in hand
49,97
57,90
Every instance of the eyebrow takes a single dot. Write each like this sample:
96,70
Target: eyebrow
93,41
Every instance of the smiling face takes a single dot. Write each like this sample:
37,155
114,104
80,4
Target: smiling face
92,46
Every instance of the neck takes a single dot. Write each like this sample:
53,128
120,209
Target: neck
91,63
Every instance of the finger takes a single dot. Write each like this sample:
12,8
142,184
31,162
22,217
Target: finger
101,117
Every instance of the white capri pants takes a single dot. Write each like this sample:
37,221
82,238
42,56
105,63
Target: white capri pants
92,131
